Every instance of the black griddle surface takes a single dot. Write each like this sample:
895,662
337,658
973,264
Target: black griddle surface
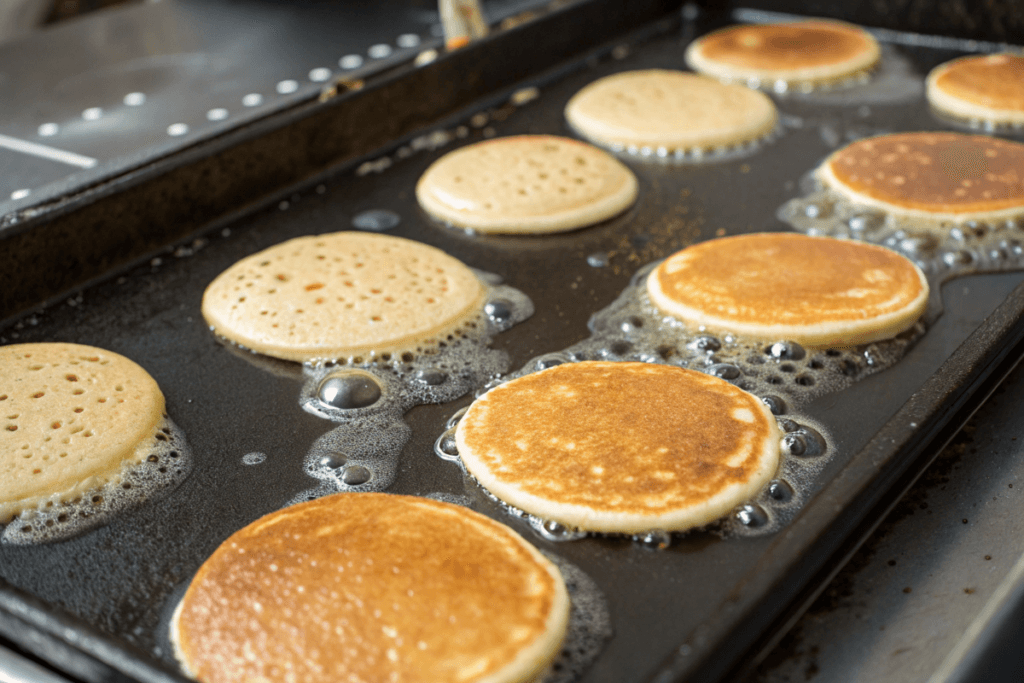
119,578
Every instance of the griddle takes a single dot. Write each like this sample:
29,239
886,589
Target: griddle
93,607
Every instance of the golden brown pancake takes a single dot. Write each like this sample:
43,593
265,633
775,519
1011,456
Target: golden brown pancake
987,88
817,291
526,184
940,176
72,417
372,587
620,447
669,110
341,295
815,52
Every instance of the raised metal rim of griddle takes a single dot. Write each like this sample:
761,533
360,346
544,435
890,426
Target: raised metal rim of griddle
794,561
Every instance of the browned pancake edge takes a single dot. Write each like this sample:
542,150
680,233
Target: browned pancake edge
981,87
372,587
620,447
931,175
815,51
818,291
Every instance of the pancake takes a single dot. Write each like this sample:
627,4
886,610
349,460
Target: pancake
529,184
669,110
817,291
984,88
815,52
372,587
620,447
342,295
72,417
935,176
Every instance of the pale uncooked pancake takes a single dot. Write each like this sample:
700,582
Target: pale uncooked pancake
936,176
372,587
620,447
988,88
669,110
814,52
71,418
526,184
342,295
817,291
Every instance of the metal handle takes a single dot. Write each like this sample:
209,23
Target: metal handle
462,21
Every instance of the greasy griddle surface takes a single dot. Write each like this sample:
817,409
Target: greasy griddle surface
120,577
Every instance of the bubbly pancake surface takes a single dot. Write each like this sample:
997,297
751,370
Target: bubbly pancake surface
526,184
342,294
813,51
372,587
817,291
930,174
669,109
620,447
989,87
71,417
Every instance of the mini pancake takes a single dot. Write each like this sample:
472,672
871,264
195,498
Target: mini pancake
372,587
341,295
527,184
669,110
817,291
72,417
815,52
987,88
620,447
936,176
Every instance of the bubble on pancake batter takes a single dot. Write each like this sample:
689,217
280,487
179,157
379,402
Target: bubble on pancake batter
656,539
752,515
780,501
942,249
783,374
550,530
445,446
359,456
254,458
780,490
348,390
765,514
167,464
368,397
697,155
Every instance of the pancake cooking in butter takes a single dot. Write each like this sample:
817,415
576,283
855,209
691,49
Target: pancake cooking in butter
986,88
815,52
817,291
620,447
932,177
527,184
341,295
669,110
72,417
372,587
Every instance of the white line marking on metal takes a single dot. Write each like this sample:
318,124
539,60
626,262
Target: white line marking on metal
51,153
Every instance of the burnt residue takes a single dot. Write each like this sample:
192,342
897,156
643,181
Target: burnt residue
841,592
